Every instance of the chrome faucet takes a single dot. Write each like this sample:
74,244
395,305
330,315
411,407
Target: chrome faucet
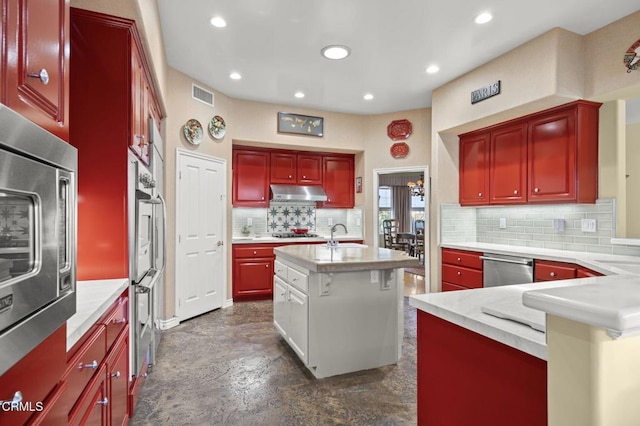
333,243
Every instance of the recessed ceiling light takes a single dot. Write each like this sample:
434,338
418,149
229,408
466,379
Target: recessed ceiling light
368,97
299,95
483,18
235,76
432,69
218,22
335,52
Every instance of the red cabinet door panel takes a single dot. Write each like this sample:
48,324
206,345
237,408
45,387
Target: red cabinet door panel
552,157
465,277
283,168
474,169
253,278
338,181
468,259
250,186
309,170
550,271
508,177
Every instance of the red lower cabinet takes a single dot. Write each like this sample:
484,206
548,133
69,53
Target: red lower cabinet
461,270
468,379
92,407
118,381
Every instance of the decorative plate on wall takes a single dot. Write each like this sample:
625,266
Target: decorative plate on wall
399,150
193,131
217,127
399,130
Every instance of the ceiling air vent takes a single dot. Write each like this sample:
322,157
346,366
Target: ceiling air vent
202,95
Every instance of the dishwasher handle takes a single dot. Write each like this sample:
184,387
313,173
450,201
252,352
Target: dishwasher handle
528,262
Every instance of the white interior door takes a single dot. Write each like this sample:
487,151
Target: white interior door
200,226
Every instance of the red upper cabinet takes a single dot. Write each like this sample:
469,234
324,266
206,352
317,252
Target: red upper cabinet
474,168
563,154
283,167
546,157
140,109
251,175
508,171
36,58
338,181
309,169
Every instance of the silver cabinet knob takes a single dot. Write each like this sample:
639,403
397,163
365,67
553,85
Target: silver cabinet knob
553,274
266,266
289,176
459,273
479,194
262,198
459,260
536,189
92,366
116,375
304,177
105,401
255,252
515,191
43,75
119,321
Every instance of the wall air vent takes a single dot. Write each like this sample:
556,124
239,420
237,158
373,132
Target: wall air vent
202,95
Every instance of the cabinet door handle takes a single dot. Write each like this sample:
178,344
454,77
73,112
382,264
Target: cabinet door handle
553,274
116,375
536,189
92,366
119,321
479,194
255,252
105,401
266,266
515,191
262,198
459,273
17,398
459,260
289,176
304,177
43,75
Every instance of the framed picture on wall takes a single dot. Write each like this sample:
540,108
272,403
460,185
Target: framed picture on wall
300,124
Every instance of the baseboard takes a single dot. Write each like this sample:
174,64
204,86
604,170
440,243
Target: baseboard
227,304
168,323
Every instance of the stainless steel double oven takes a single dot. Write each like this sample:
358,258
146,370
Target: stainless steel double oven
37,235
147,261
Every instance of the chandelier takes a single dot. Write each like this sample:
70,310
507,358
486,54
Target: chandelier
417,188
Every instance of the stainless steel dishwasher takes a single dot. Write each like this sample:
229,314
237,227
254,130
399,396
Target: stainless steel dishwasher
499,269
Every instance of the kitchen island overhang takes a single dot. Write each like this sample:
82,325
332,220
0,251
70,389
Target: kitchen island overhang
340,309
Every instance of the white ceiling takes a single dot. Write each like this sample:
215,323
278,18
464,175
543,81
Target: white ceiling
275,45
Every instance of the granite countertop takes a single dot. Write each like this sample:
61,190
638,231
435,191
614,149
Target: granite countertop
321,258
269,239
607,264
93,299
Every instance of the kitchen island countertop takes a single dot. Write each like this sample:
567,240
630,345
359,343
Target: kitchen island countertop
321,258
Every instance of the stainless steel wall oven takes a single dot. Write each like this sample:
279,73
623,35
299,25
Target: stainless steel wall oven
37,235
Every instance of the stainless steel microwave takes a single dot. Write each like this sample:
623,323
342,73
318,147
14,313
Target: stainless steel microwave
37,235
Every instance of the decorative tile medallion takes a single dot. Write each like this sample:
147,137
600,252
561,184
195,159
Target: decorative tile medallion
283,217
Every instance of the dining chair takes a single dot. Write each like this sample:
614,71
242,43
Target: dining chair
390,234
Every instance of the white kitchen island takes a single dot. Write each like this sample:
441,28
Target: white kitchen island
340,308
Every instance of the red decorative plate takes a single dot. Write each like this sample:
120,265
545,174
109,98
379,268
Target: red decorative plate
399,150
399,130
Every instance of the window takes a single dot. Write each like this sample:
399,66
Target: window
384,205
417,210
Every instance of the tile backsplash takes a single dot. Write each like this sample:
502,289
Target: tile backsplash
282,216
533,226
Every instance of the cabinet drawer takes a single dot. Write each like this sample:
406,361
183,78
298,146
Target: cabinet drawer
248,252
298,280
116,320
550,271
466,277
84,364
468,259
452,287
281,270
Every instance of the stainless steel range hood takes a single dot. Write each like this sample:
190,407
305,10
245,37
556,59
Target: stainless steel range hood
298,193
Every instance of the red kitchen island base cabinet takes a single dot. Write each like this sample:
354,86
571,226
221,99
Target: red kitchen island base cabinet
468,379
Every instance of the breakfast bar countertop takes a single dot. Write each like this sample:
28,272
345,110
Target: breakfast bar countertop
345,258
